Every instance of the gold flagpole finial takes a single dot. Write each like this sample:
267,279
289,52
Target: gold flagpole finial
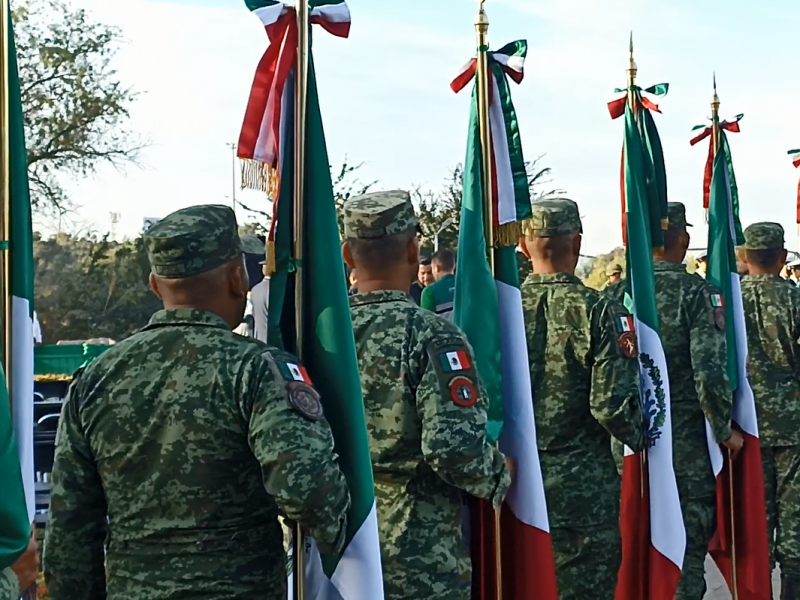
715,103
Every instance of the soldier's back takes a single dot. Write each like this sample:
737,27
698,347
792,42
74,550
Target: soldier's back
772,316
581,480
166,414
419,513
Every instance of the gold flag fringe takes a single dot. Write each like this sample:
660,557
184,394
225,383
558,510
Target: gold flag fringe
664,224
269,259
259,177
508,234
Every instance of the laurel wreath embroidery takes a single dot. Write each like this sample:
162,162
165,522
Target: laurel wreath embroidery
654,406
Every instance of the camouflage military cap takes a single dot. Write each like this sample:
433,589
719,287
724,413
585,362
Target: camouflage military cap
763,236
379,215
614,269
554,217
676,213
252,245
192,241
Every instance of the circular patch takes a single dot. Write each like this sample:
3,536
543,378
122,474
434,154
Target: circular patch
627,344
305,400
719,318
463,391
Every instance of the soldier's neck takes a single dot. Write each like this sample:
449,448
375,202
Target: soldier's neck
552,267
383,285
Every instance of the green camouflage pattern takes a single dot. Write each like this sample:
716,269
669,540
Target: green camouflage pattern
426,421
676,216
586,391
9,585
772,317
378,215
586,561
764,236
192,241
553,218
192,440
693,336
781,492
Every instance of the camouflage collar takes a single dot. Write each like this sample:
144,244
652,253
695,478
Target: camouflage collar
765,277
379,297
552,278
185,316
662,265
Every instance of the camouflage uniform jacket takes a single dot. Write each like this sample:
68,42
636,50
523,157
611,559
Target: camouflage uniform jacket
693,334
772,315
426,421
9,585
585,390
176,450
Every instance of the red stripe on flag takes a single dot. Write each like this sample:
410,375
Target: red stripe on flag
528,567
622,196
752,545
798,203
644,573
304,373
709,172
463,358
616,108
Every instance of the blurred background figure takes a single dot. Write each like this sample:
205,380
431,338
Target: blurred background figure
702,265
424,279
794,271
613,273
438,296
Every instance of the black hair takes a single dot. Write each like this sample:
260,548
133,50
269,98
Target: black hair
764,259
425,261
445,260
379,254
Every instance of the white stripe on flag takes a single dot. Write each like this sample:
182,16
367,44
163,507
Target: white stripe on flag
506,202
667,533
21,380
515,63
526,497
270,14
358,574
744,403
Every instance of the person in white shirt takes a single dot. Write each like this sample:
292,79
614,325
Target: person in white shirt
37,331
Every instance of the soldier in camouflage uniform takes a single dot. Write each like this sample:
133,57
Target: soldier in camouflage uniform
693,333
585,376
179,447
772,315
425,408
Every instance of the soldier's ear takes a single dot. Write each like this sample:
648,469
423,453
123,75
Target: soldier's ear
412,251
577,241
347,255
154,285
523,246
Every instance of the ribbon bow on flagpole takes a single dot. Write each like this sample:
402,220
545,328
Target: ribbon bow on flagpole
510,190
733,127
260,146
617,107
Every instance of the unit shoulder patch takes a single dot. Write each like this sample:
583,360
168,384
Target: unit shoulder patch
463,391
717,303
305,400
625,329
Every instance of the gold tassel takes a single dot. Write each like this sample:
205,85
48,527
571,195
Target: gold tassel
259,177
270,257
507,235
664,224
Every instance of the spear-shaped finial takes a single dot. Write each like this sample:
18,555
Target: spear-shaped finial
483,20
631,63
715,99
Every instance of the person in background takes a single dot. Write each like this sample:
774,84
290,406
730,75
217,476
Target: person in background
424,279
22,574
794,271
613,273
741,262
352,279
702,265
438,296
259,302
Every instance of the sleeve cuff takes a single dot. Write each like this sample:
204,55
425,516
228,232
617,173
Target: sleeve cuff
501,489
723,434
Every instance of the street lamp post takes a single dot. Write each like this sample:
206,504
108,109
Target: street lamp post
444,226
232,146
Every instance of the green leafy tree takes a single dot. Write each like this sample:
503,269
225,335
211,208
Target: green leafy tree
593,270
76,108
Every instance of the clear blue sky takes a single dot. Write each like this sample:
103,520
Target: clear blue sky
386,100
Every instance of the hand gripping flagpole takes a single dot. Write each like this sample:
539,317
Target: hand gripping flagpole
300,105
715,141
483,89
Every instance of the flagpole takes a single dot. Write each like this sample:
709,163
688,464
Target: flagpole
483,82
300,104
715,141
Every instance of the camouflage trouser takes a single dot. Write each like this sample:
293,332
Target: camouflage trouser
587,561
782,495
699,519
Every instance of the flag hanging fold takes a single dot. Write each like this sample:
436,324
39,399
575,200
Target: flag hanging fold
329,347
488,308
795,156
651,523
705,132
747,516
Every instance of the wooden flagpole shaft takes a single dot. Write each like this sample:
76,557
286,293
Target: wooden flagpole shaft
300,112
715,141
483,83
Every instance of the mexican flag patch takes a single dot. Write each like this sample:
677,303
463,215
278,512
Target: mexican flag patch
625,323
293,372
717,301
455,361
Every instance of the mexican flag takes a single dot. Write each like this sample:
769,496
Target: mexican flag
651,523
795,156
749,509
329,352
488,308
17,504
